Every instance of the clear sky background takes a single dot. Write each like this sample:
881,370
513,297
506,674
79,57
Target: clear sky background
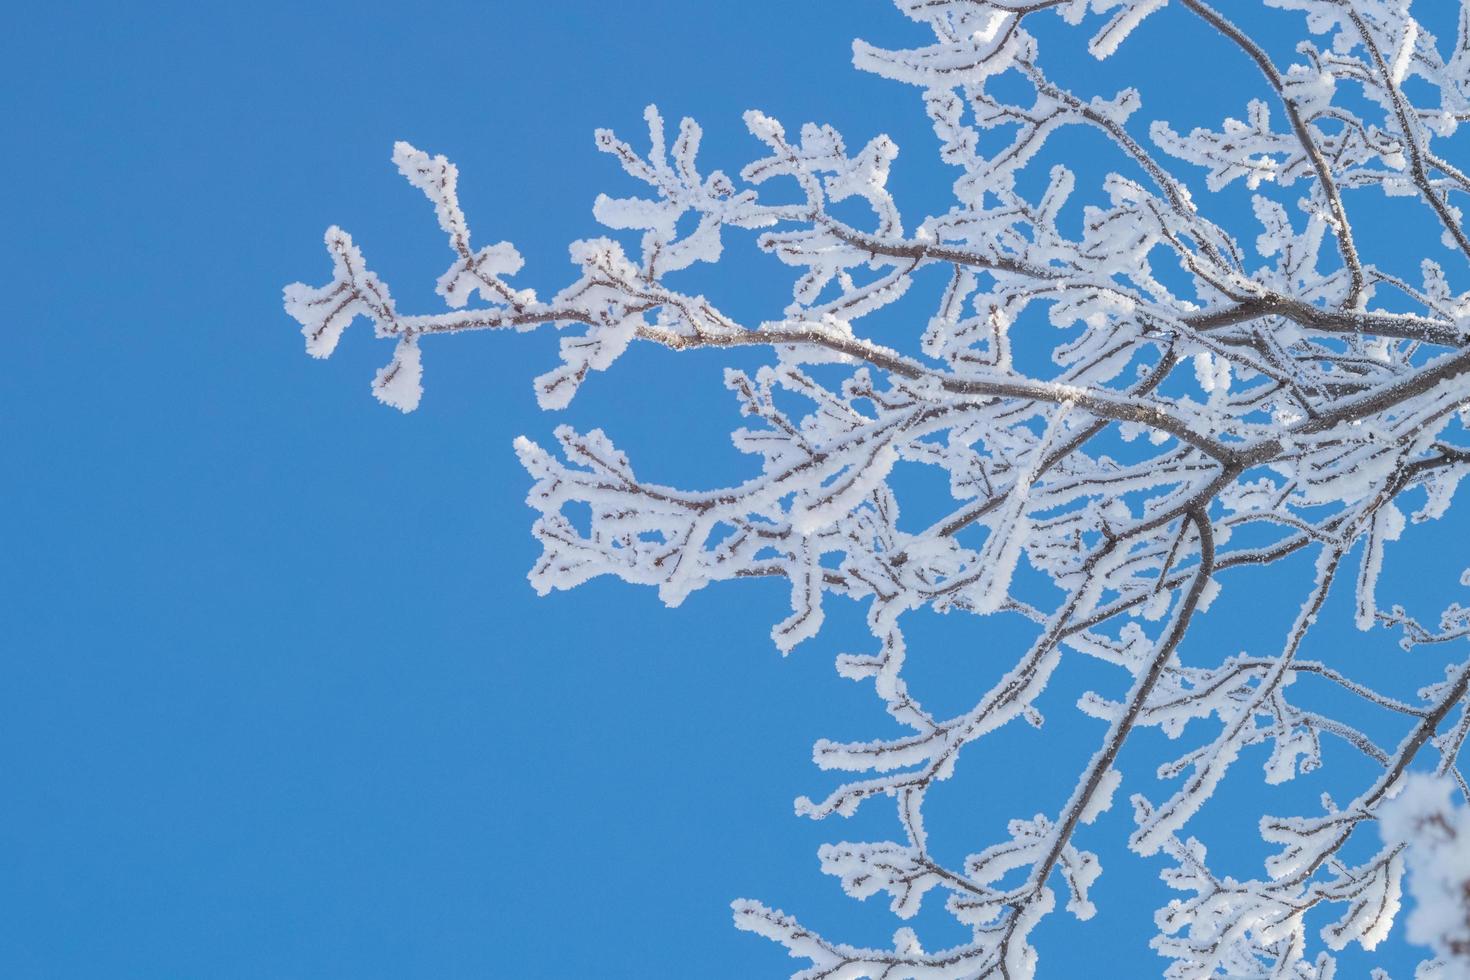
276,699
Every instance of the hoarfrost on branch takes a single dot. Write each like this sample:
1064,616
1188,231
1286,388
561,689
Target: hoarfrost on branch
1285,387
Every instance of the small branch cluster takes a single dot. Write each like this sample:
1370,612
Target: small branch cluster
1434,833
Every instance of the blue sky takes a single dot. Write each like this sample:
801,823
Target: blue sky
277,700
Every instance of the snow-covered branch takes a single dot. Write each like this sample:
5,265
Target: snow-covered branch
1303,392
